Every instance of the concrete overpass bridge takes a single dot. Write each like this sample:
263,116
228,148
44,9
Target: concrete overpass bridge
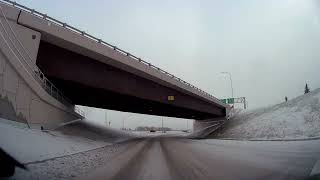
49,66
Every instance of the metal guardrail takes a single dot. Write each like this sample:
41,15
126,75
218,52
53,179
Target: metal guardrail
100,41
37,74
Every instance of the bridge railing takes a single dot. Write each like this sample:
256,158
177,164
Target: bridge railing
100,41
26,62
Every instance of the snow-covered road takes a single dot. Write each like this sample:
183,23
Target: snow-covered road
177,158
71,166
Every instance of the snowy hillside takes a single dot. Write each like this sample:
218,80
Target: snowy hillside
297,118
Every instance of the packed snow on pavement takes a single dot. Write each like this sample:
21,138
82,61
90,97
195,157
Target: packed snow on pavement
296,118
72,166
68,152
64,153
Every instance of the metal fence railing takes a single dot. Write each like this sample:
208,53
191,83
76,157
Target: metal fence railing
12,43
100,41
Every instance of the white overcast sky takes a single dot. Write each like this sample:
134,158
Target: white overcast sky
271,47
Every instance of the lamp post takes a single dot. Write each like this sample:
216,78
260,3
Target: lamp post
162,124
122,123
187,125
106,117
230,83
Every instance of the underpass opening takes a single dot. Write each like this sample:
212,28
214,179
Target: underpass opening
89,82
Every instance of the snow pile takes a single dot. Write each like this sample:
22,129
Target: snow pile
297,118
29,145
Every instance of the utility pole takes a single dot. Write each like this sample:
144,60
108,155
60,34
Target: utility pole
187,125
106,117
162,124
122,123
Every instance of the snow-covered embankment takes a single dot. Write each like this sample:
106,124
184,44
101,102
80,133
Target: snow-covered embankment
297,118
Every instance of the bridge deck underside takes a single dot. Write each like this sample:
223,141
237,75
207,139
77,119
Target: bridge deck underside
92,83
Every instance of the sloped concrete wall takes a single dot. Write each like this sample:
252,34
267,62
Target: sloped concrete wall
8,111
21,97
19,103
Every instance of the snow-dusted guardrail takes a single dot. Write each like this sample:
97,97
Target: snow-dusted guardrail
100,41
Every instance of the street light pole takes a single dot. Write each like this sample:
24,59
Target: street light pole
230,82
162,125
106,117
187,125
122,123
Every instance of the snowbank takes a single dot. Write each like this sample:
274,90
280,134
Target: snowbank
29,145
297,118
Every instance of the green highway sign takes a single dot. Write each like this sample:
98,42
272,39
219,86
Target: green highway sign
223,100
230,100
235,100
227,101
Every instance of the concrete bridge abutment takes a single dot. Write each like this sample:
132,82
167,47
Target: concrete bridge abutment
22,97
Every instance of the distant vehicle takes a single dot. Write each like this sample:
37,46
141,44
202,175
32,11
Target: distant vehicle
152,130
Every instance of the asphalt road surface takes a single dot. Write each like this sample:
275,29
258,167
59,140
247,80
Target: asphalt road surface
176,158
